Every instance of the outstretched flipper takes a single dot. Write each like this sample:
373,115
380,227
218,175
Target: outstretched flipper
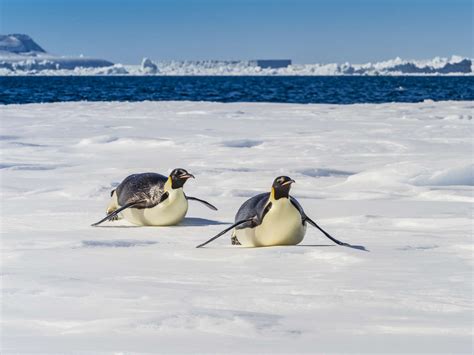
225,231
111,215
338,242
212,207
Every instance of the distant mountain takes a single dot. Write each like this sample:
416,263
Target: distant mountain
20,53
19,43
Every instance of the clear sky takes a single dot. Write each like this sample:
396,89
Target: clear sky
307,31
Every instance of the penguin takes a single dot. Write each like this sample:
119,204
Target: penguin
151,199
271,218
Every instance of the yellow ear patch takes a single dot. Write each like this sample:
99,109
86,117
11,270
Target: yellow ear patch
272,195
168,184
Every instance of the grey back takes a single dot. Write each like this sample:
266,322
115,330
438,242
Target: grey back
141,187
254,207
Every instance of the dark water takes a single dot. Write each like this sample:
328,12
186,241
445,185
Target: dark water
309,89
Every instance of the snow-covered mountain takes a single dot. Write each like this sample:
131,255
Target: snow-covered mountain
21,55
19,43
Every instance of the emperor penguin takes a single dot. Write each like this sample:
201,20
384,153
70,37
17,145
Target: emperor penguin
271,218
151,199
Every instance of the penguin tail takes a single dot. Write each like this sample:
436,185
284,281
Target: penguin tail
112,215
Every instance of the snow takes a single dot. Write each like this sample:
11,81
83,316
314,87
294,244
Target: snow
21,55
396,178
48,65
463,175
19,43
148,66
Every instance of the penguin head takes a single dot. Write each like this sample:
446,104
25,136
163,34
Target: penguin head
281,187
178,177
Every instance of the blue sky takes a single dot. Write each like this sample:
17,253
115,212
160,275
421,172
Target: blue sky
303,30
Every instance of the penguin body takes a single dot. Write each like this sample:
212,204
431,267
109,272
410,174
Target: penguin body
272,218
169,212
151,199
281,222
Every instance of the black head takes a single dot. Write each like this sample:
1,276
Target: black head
178,178
281,187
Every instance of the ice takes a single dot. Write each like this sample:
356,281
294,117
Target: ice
395,178
149,67
437,66
116,243
463,175
20,54
242,143
46,64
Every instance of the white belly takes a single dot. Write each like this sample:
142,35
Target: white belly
167,213
282,225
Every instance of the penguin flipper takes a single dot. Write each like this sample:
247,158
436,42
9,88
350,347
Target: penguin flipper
225,231
338,242
212,207
111,215
297,205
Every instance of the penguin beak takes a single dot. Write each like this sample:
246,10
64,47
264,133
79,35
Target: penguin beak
291,181
186,176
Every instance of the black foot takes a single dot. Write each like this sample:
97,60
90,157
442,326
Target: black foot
235,241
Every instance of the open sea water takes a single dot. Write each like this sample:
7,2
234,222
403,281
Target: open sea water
289,89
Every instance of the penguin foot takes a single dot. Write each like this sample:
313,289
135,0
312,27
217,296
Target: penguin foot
235,241
115,217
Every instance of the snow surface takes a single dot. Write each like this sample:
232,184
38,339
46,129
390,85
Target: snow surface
396,178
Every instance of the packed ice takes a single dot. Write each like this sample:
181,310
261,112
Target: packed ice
396,178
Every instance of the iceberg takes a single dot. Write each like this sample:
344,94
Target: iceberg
21,55
149,67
